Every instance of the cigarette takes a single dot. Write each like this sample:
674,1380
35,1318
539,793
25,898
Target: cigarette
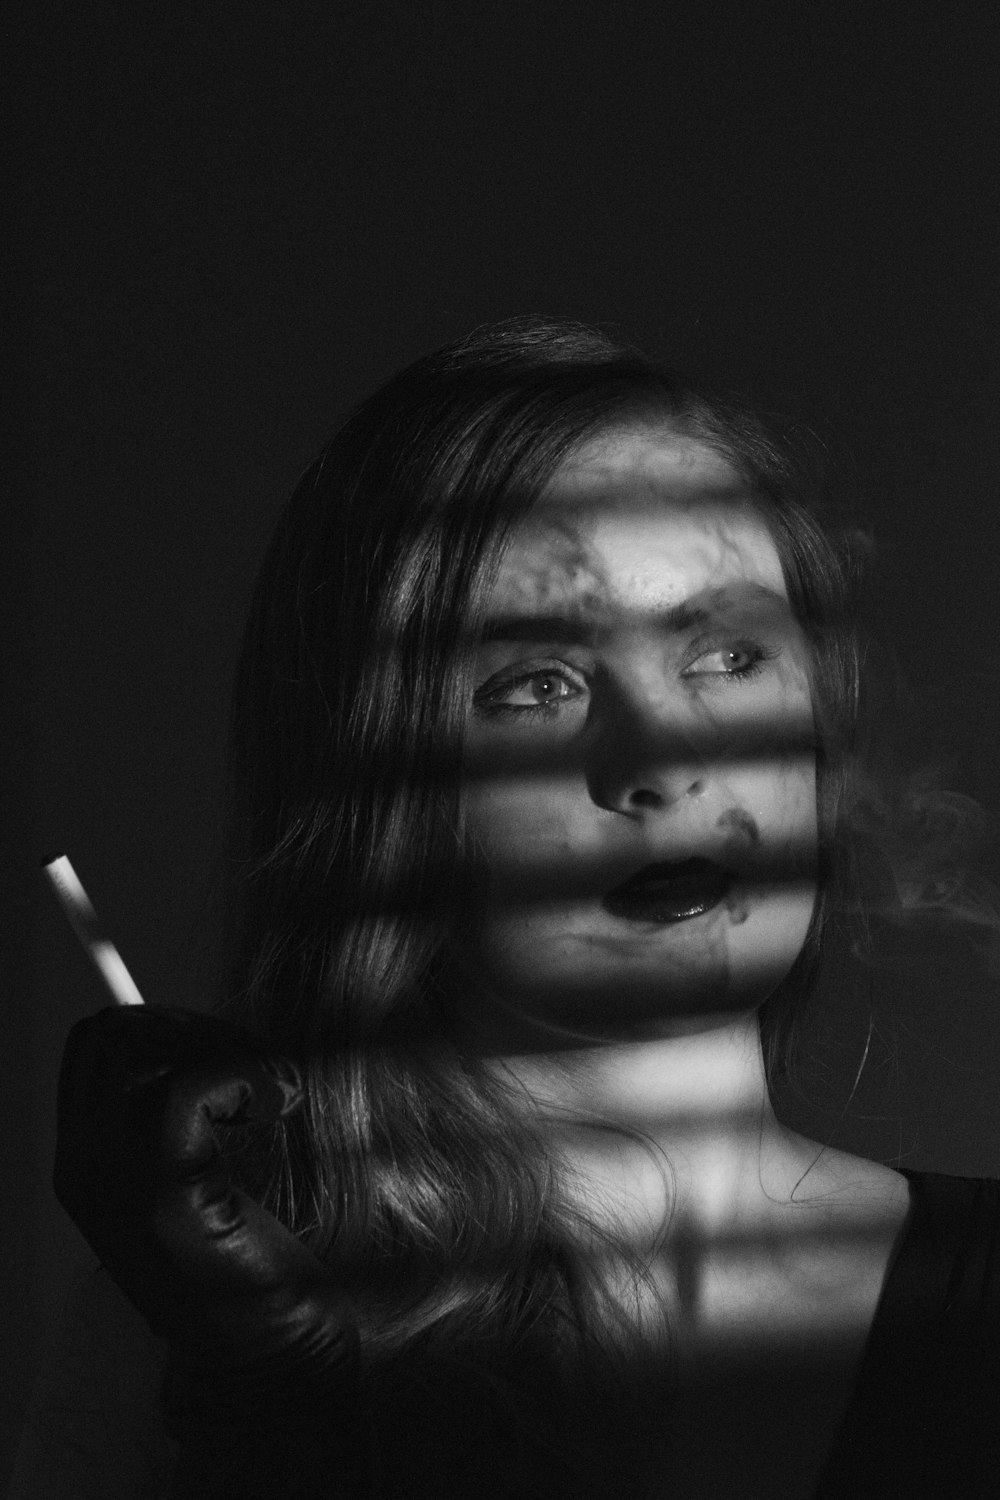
83,919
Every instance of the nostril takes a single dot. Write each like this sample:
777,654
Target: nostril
644,797
696,788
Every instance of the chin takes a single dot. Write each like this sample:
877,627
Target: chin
691,977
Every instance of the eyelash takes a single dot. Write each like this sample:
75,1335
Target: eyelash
487,704
758,656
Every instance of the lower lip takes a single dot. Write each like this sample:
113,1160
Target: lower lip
676,901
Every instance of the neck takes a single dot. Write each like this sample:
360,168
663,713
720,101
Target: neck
679,1128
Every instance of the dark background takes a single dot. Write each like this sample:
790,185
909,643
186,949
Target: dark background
233,218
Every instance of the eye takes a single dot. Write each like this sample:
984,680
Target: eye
539,688
529,690
737,660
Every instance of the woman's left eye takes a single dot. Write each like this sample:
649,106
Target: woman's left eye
739,661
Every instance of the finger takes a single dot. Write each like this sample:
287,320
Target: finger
140,1094
195,1104
117,1052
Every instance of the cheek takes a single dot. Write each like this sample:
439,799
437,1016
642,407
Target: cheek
793,796
517,832
771,905
782,786
790,827
781,893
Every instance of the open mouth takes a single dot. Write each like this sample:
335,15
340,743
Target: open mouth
670,891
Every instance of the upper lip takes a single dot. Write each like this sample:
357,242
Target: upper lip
693,868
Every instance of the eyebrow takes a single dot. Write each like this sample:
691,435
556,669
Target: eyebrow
577,629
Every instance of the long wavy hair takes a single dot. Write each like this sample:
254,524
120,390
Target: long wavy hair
407,1170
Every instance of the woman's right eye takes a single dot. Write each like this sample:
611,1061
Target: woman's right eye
538,690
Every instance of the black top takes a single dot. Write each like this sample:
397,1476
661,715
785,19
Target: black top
923,1421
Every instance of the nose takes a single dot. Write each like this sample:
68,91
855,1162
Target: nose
646,755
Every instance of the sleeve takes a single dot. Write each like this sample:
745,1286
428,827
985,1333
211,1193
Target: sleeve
95,1430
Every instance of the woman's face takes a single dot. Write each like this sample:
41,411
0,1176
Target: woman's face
640,794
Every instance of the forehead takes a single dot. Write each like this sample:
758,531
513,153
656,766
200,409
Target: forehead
638,520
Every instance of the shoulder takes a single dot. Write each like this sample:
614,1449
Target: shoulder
869,1181
844,1187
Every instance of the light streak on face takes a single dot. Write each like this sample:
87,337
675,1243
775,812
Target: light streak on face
640,795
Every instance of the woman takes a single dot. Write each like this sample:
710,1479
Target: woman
543,771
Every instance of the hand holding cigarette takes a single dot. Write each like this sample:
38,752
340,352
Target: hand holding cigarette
263,1341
